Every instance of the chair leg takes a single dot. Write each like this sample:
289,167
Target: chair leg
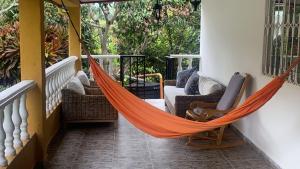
220,135
115,124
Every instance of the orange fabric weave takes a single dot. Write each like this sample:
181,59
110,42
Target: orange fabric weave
164,125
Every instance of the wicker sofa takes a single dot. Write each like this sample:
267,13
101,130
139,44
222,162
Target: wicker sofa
178,102
91,107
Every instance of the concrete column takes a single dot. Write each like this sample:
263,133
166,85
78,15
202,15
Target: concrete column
74,44
33,66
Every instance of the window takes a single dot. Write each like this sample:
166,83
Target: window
282,37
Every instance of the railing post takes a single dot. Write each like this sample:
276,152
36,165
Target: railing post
110,66
32,59
179,67
190,63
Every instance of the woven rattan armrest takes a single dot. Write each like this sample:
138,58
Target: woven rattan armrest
92,91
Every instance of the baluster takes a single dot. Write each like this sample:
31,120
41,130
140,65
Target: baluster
200,65
50,94
91,73
53,93
65,77
179,68
3,161
60,83
47,96
9,129
17,122
56,90
101,62
24,117
72,69
190,63
110,69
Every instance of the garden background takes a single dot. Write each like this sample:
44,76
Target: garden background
113,28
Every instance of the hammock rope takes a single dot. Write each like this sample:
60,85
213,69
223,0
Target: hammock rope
161,124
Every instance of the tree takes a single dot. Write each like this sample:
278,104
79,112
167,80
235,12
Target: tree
102,16
6,5
138,31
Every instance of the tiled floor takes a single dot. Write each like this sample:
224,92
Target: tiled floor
100,146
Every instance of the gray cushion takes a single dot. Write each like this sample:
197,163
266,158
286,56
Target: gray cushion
209,86
231,92
171,92
83,78
183,76
76,86
191,86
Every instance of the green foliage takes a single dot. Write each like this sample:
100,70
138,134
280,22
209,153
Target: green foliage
56,42
136,31
177,32
9,54
89,33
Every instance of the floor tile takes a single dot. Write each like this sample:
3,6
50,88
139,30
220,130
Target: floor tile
101,146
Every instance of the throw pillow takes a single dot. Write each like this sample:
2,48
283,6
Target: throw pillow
83,78
76,86
191,87
209,86
231,92
183,76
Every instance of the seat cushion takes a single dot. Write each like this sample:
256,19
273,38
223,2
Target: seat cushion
75,85
183,76
231,92
172,91
83,78
209,86
191,86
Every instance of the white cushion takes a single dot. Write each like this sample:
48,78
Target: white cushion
76,86
172,91
208,86
83,78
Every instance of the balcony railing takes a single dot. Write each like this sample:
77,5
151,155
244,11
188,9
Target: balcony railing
57,76
170,64
108,66
13,119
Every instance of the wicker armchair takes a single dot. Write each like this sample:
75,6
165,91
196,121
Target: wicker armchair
91,107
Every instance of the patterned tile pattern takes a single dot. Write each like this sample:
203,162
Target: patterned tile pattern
101,146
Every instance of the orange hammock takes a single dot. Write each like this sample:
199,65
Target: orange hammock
164,125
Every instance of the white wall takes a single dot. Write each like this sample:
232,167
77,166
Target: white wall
232,40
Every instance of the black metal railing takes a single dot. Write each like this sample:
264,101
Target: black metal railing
132,73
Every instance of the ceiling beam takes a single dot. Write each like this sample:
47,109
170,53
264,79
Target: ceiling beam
68,3
100,1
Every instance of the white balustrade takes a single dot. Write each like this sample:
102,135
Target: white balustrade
101,58
3,161
9,129
13,119
190,59
57,76
16,118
